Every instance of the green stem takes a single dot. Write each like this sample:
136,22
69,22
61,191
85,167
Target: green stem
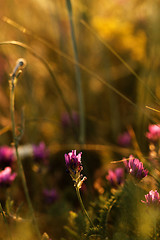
20,167
82,206
6,222
78,75
155,230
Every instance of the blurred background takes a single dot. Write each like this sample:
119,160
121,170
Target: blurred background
118,44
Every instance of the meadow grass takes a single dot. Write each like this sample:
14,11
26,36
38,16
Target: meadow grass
91,84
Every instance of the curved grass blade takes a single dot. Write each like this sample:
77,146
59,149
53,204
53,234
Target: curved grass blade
70,59
46,64
60,53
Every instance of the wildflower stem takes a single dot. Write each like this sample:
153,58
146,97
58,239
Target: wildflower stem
155,229
78,74
12,83
6,222
82,206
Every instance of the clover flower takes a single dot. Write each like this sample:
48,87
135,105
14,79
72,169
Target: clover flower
6,177
152,198
154,132
74,167
135,167
50,195
124,139
40,152
115,177
7,156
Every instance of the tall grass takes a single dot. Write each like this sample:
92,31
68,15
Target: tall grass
92,75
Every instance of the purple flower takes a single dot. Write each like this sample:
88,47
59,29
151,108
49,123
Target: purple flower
115,177
66,121
6,177
154,132
124,139
50,195
152,198
135,167
40,152
7,156
73,164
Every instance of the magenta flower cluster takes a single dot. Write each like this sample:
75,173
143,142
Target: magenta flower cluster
135,168
74,165
40,152
115,177
124,139
7,177
154,132
7,156
152,198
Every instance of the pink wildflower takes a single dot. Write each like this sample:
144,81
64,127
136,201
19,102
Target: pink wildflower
6,177
154,132
135,167
152,198
124,139
40,152
115,177
7,156
73,164
74,167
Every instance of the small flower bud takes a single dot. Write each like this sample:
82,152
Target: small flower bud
20,64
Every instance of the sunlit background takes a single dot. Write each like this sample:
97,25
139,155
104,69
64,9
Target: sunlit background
118,45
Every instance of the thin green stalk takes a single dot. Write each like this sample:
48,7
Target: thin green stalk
82,206
6,222
155,229
78,75
20,167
